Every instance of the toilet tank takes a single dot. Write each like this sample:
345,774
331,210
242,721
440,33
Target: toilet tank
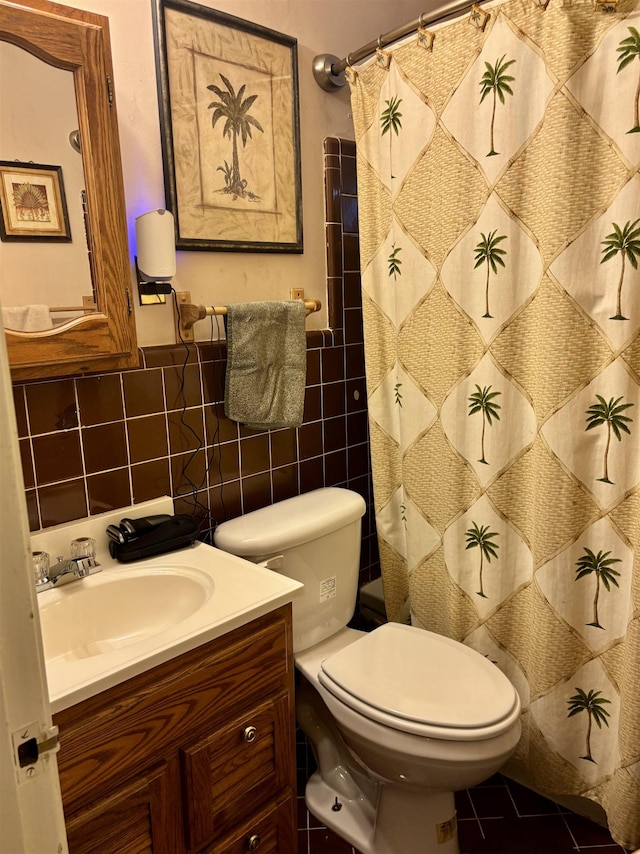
318,536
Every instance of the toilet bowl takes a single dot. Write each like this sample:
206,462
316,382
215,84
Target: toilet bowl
399,718
418,744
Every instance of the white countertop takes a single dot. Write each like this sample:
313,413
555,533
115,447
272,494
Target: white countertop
238,592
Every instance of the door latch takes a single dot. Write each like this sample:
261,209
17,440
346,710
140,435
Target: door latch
29,744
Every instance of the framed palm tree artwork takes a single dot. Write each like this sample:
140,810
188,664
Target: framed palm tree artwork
228,93
32,202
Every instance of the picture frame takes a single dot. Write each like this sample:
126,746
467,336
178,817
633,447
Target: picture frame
230,125
32,203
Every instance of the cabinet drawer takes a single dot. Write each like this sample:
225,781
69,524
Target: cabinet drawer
270,831
232,771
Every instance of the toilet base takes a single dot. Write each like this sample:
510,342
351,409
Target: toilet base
405,822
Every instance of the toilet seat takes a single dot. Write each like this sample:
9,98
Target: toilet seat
422,683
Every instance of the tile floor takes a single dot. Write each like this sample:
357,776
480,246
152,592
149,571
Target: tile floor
498,817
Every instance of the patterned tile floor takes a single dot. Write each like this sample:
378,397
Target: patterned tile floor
498,817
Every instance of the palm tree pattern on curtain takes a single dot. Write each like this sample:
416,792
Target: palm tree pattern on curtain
499,180
495,81
600,565
392,116
482,400
609,413
488,252
395,262
626,243
629,50
480,537
593,704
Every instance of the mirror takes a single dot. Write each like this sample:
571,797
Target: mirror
38,118
64,259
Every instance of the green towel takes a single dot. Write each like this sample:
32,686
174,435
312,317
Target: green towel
266,364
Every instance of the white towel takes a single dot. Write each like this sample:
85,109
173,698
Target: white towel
27,318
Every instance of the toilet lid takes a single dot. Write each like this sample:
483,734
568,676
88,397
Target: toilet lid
412,675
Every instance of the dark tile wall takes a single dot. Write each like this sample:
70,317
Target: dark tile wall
105,441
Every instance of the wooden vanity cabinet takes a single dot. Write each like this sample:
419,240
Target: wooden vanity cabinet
196,756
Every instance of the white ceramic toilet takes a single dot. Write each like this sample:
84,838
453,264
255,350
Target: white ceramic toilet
399,718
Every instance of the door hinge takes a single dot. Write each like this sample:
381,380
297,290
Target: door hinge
109,90
129,306
29,744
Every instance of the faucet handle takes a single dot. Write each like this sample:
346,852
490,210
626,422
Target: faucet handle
83,554
83,547
41,562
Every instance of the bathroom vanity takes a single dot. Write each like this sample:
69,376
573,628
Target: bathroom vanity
196,755
171,683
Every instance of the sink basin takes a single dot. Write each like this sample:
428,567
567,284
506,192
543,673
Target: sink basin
101,630
109,611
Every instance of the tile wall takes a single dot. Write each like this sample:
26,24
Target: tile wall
105,441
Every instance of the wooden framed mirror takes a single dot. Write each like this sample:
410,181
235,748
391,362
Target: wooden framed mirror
76,231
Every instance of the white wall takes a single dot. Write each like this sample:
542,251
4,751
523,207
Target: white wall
320,26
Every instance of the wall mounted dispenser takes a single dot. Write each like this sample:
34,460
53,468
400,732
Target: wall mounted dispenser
156,258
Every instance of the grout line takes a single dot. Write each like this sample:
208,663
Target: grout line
515,806
566,824
473,807
534,814
586,849
126,439
597,847
84,476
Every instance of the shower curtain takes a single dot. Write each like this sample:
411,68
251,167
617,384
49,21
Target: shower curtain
499,199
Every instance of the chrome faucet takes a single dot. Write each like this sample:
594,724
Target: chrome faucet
79,567
70,569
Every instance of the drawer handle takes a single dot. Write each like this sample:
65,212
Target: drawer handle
249,735
253,842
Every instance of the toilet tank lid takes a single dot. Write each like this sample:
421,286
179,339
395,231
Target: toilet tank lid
289,523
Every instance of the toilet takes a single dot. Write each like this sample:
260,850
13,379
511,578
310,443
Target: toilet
399,718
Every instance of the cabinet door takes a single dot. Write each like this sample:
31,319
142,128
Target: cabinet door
136,819
234,770
102,337
271,831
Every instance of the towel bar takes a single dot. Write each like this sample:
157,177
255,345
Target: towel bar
62,308
88,304
190,313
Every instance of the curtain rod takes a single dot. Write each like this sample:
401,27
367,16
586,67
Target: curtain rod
328,69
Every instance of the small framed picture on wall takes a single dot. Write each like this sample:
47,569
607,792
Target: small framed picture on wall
32,202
